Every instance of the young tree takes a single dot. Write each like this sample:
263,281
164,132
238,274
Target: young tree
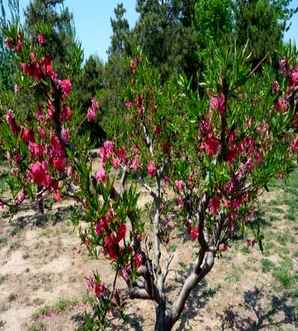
204,162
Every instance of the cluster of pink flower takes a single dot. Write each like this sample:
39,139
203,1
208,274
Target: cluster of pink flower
47,150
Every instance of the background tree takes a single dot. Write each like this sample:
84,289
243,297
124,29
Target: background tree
262,23
7,66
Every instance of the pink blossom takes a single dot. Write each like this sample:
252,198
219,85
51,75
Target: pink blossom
47,68
51,109
27,135
294,77
121,232
275,87
65,86
39,173
128,104
41,39
65,135
218,102
214,205
100,174
121,153
110,214
137,260
109,147
36,150
180,201
10,119
102,153
210,145
57,195
135,163
194,233
59,163
294,145
91,114
116,162
101,226
151,169
179,184
66,114
281,105
20,197
57,148
42,133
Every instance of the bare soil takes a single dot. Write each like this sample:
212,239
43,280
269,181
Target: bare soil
43,270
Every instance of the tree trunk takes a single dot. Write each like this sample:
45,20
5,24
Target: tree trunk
163,319
40,219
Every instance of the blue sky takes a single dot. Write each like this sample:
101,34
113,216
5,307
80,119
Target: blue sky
92,21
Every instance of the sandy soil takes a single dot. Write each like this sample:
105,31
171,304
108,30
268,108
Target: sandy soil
42,266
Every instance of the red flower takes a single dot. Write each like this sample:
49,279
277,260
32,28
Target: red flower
41,39
211,145
294,77
151,169
214,205
27,135
65,86
10,119
101,226
194,233
59,163
281,105
218,102
137,260
179,184
294,145
101,174
36,150
39,173
121,232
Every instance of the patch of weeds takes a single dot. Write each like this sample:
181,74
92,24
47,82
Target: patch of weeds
244,249
64,304
267,265
283,252
60,306
268,247
291,216
3,241
295,254
282,238
234,276
283,273
37,326
277,210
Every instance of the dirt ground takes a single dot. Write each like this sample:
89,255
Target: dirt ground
43,270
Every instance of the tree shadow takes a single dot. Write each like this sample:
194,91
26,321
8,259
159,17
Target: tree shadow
28,216
263,318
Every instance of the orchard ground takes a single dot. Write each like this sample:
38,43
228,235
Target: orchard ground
43,270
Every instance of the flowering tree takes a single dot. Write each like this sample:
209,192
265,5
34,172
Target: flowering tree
204,163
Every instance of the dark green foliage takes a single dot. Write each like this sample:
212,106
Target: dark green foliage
262,23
